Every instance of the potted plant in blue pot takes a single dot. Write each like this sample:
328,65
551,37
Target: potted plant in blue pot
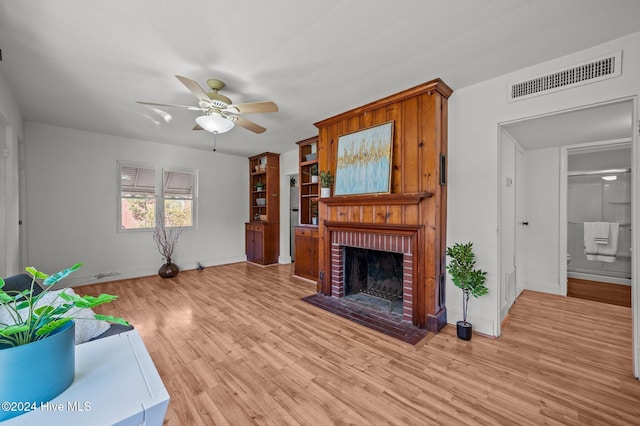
37,341
470,280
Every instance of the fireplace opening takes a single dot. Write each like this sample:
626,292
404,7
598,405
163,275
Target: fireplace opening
374,277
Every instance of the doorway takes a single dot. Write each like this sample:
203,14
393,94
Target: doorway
598,227
547,141
294,201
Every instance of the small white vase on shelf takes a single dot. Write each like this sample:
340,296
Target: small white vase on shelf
325,192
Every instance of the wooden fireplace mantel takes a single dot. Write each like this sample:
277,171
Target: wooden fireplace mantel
397,229
377,199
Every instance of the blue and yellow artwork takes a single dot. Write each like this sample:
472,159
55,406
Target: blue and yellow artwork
364,161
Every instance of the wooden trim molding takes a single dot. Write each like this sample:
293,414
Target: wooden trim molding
436,85
377,199
373,227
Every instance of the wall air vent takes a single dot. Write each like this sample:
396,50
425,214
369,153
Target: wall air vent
608,66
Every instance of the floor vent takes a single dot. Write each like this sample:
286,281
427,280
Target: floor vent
608,66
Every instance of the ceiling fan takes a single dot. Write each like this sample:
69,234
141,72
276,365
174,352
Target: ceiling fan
220,114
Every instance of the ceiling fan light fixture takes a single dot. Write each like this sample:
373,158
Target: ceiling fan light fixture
214,123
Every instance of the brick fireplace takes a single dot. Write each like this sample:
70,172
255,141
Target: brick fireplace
410,219
388,240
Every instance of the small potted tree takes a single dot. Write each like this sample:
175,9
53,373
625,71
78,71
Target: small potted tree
260,186
326,182
469,280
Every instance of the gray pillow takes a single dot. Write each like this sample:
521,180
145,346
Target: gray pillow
21,282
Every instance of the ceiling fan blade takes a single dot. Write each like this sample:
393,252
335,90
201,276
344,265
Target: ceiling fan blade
191,108
197,127
249,125
247,108
194,88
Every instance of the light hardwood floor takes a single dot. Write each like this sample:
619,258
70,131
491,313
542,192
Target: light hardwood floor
235,345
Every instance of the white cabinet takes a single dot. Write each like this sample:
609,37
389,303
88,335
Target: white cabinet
116,383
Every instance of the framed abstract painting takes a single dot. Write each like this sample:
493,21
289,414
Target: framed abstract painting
364,161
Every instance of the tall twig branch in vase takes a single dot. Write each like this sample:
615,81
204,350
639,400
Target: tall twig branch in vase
167,238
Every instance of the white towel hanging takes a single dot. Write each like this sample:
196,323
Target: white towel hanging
599,246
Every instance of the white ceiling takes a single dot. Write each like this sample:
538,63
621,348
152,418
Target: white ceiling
83,64
598,123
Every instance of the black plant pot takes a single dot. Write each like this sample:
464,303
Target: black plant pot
464,330
168,270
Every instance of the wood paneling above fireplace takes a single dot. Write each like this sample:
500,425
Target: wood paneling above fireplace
418,190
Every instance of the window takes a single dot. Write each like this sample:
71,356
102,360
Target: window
147,192
177,188
138,197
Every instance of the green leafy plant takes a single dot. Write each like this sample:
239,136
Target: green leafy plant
260,186
32,322
469,280
313,170
326,179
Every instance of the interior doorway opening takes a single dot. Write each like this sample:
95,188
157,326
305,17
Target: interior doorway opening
599,231
541,244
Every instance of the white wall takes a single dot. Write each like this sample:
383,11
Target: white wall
11,128
475,113
72,204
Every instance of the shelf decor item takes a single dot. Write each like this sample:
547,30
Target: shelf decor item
469,280
364,161
313,172
326,182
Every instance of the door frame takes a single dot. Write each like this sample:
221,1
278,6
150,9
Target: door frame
565,151
507,224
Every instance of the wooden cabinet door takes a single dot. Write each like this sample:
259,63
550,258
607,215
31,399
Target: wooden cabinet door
313,251
302,265
258,246
249,245
306,246
254,241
